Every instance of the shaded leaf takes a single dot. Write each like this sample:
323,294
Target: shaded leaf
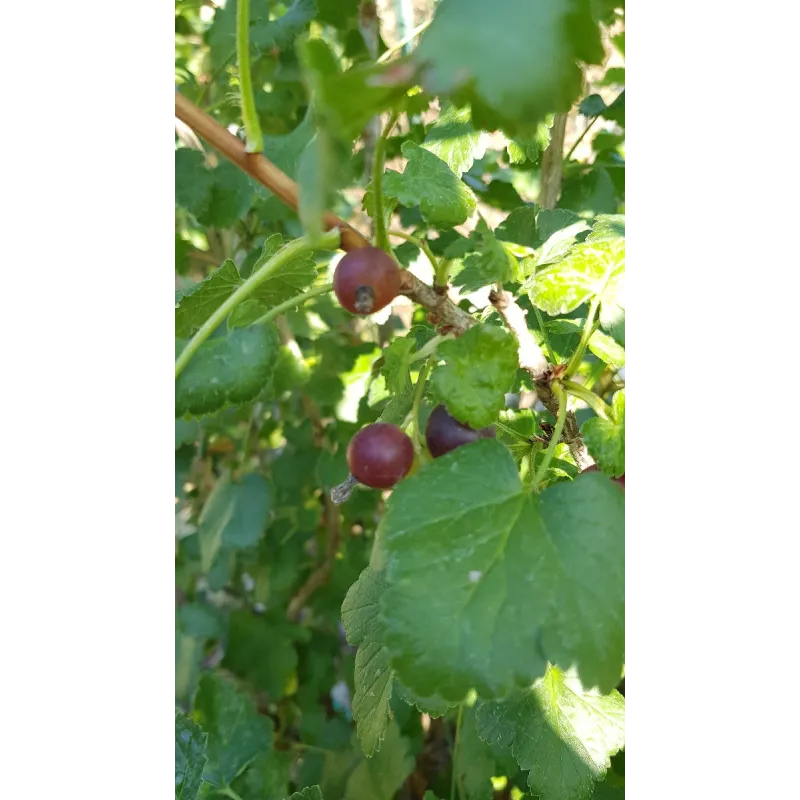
373,676
492,263
379,777
237,734
516,63
228,369
190,757
564,734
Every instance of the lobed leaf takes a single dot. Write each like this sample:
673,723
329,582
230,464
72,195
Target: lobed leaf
486,582
605,439
429,183
479,369
560,731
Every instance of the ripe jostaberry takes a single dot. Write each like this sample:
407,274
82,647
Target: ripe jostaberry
380,455
444,432
366,280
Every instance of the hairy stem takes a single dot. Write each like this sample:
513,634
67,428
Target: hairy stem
419,390
254,142
293,302
561,397
592,400
330,240
421,244
381,239
546,338
588,330
532,360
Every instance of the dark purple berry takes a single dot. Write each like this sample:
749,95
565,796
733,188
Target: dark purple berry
444,433
366,280
380,455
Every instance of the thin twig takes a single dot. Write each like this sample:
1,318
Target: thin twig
533,361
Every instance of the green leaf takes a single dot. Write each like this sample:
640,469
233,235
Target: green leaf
232,194
434,706
192,181
453,139
590,268
285,151
282,32
226,370
486,582
320,175
592,106
443,199
479,369
492,263
379,777
262,652
190,757
196,304
289,281
605,439
549,221
186,432
474,762
234,517
309,793
531,147
519,227
592,191
564,734
607,226
606,349
346,101
397,357
373,676
237,733
516,63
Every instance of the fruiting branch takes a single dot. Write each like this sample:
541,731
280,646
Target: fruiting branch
450,317
533,361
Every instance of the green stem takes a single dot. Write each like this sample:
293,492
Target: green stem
592,400
381,239
329,241
429,348
252,129
386,55
419,390
226,791
512,432
546,338
455,753
293,302
588,330
580,138
421,244
560,420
